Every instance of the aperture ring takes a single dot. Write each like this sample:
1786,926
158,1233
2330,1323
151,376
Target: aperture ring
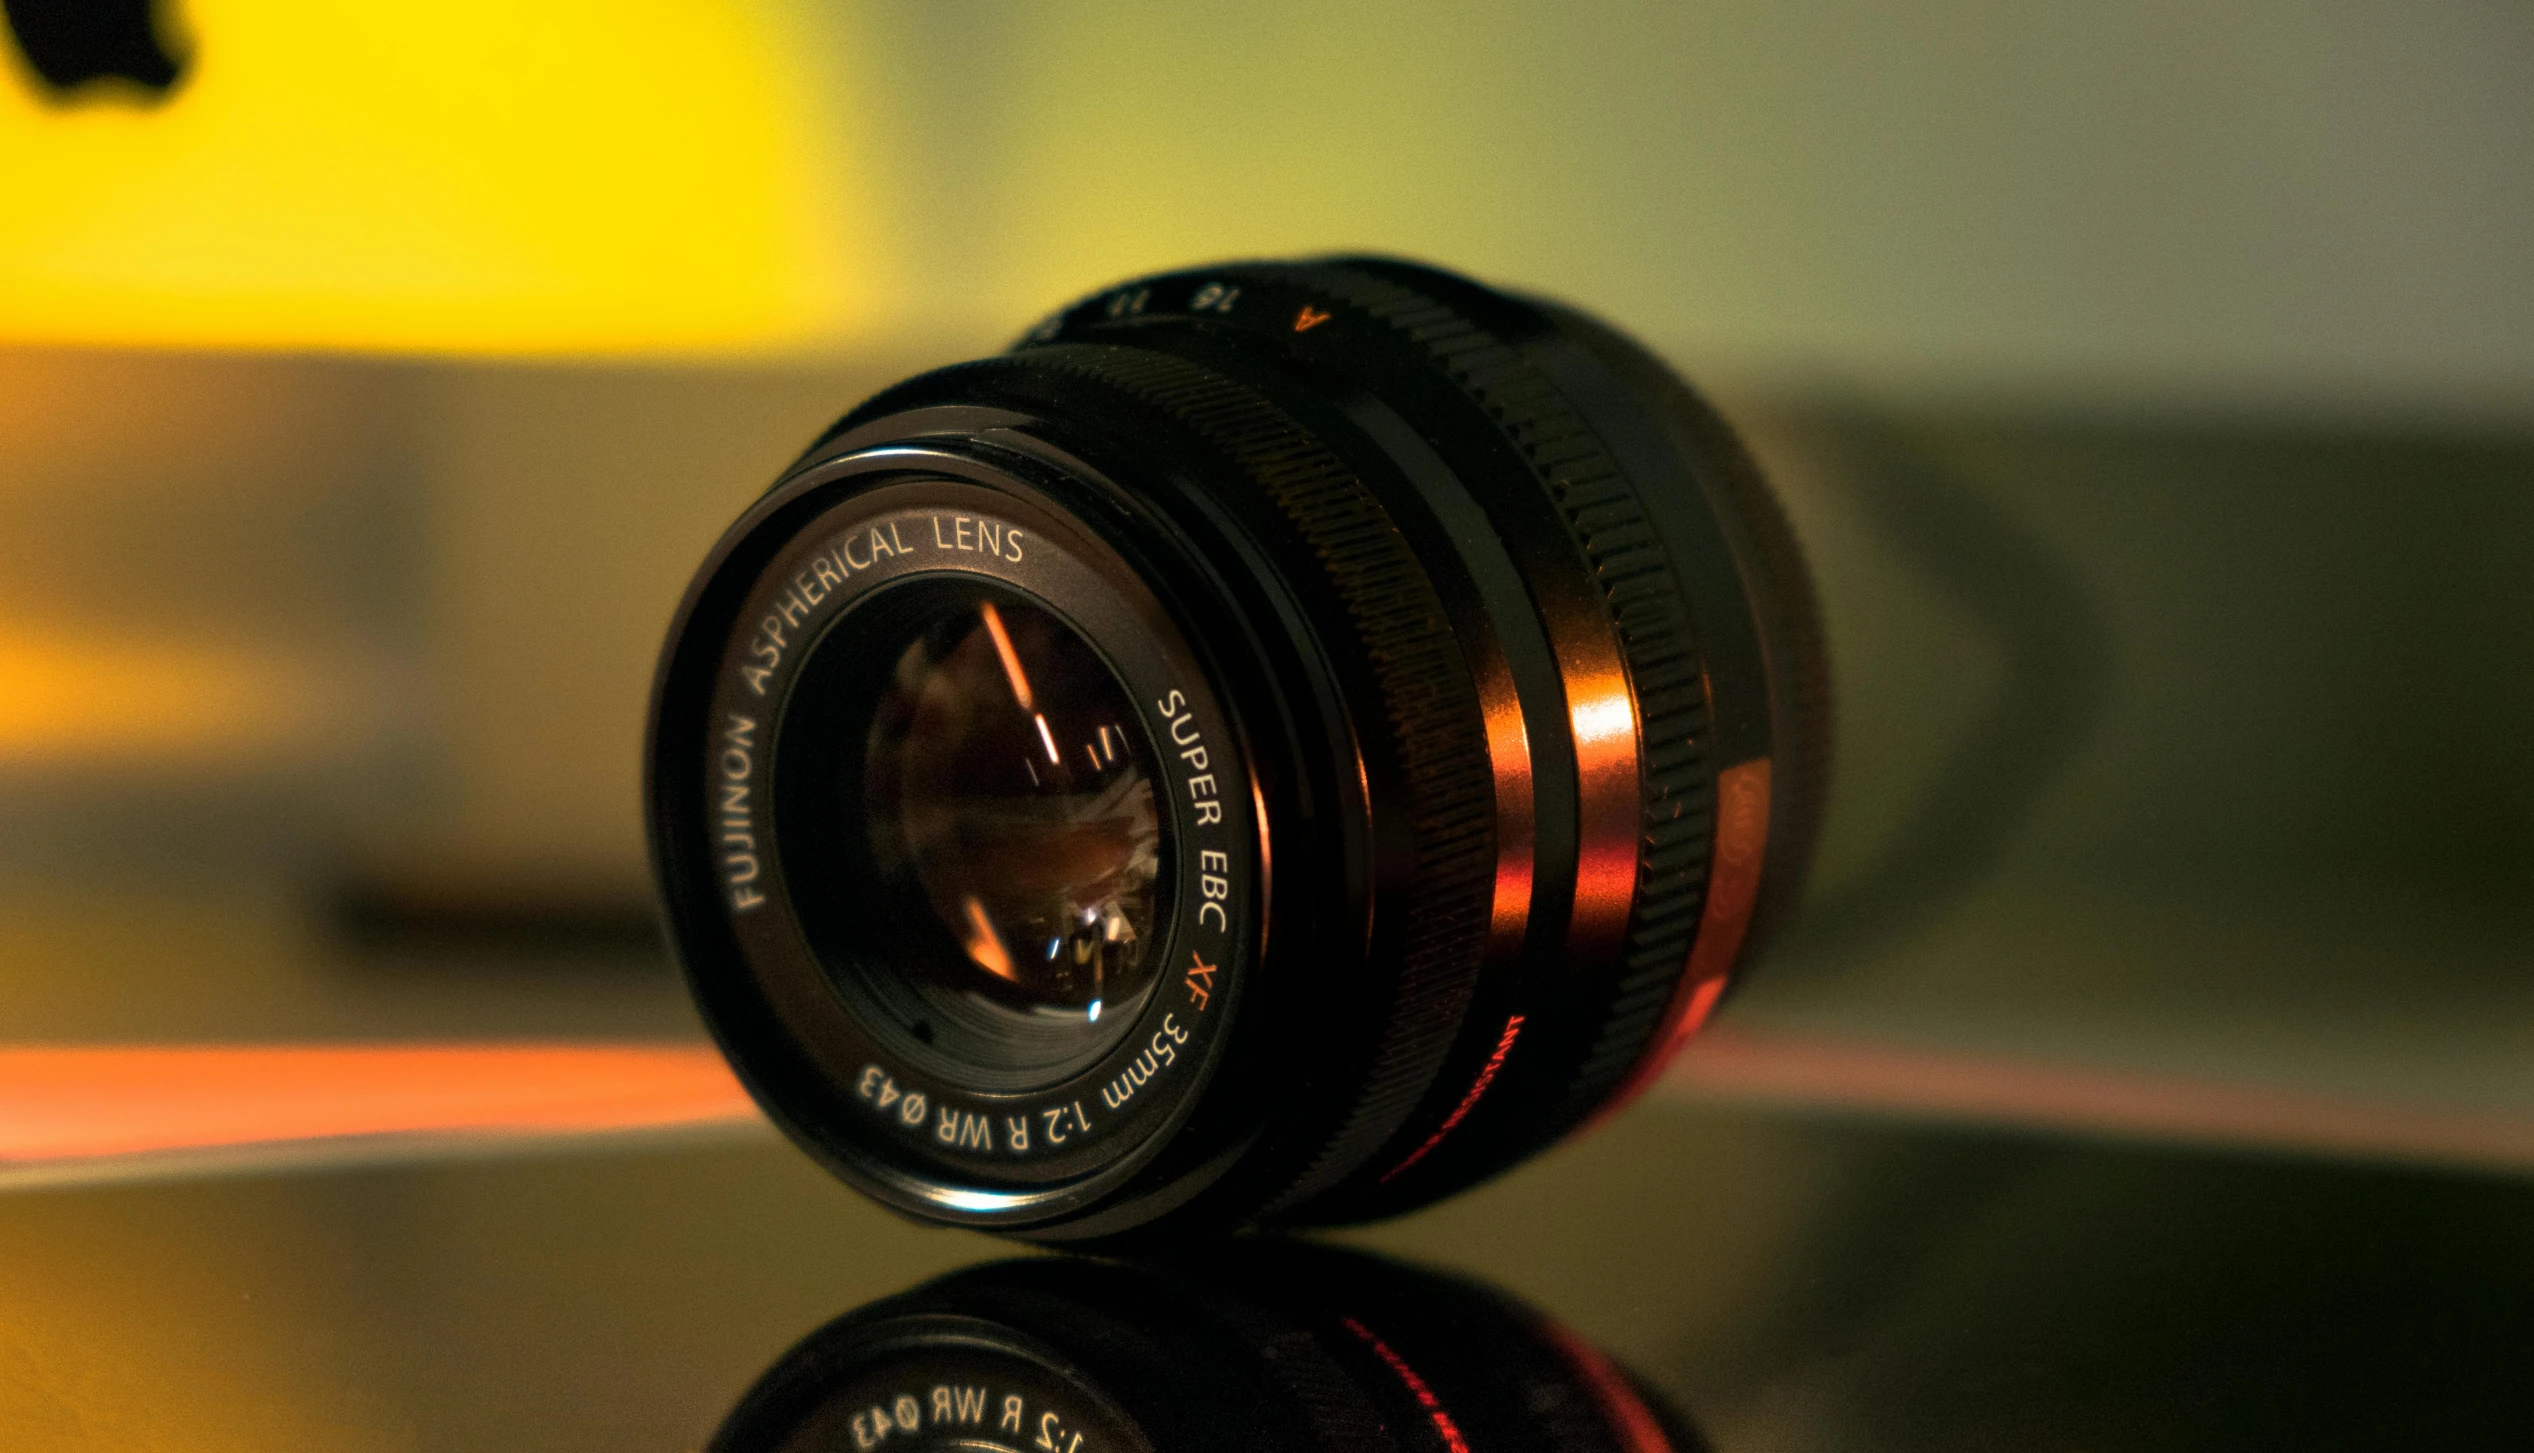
1430,702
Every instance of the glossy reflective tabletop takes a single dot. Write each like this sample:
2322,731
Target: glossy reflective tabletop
1784,1281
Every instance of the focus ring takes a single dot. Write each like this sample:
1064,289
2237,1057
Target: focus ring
1610,530
1428,695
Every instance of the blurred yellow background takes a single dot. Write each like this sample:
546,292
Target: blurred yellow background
457,178
2275,199
366,400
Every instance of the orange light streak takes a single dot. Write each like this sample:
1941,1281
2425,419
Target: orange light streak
1922,1085
985,945
1604,720
95,1102
1509,755
1733,887
1011,663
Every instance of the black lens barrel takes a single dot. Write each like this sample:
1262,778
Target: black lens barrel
1513,735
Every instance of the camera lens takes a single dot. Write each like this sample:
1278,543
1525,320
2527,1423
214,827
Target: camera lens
1287,741
1269,1346
963,762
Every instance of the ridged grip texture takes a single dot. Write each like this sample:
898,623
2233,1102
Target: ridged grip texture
1430,707
1611,533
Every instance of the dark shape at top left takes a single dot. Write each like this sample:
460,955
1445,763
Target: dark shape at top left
71,44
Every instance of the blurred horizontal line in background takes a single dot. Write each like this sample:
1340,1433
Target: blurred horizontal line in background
83,1113
516,910
82,699
78,1112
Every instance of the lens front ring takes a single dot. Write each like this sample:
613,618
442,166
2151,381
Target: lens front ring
840,538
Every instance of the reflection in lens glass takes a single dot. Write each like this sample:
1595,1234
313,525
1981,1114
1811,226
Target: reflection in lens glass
1003,783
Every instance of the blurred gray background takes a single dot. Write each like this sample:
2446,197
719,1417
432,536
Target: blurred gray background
2153,388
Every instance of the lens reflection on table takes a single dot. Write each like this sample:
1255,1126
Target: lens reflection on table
1275,1345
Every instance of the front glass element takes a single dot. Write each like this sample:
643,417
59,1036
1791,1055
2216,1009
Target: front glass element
1001,781
991,803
